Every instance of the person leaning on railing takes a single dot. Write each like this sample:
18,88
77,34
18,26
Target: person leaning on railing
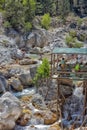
62,63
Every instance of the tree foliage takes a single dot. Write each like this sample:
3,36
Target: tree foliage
43,71
45,22
21,12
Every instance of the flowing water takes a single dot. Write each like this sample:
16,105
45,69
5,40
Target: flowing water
25,92
33,127
73,109
33,124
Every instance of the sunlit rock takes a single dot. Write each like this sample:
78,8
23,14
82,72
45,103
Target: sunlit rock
54,127
50,118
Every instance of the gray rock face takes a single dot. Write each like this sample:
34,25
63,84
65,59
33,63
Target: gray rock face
3,84
10,111
42,38
37,38
9,50
16,54
6,45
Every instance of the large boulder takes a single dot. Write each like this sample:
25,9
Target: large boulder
16,84
10,110
25,79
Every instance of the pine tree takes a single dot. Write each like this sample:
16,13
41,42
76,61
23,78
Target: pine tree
64,8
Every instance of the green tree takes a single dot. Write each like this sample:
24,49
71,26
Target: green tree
14,13
29,9
64,8
43,71
39,8
2,4
20,13
45,22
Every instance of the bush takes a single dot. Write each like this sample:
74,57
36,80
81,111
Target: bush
69,39
72,33
45,22
79,21
28,26
72,42
77,45
6,24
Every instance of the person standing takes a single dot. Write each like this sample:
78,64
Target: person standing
62,63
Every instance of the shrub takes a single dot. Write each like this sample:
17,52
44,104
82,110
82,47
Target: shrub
69,39
28,26
6,24
77,45
79,21
72,33
72,42
45,22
